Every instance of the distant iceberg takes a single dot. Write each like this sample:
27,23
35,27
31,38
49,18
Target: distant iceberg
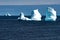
36,16
51,14
7,14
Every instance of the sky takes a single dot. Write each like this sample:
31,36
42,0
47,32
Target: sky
29,2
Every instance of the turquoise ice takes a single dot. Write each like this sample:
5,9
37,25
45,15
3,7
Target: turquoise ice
51,14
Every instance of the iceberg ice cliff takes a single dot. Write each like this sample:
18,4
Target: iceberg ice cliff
51,14
36,15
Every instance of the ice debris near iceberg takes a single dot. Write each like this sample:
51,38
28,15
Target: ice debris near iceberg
36,16
51,14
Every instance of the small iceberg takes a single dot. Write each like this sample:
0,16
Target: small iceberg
8,14
51,14
36,16
22,17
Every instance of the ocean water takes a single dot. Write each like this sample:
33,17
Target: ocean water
26,9
13,29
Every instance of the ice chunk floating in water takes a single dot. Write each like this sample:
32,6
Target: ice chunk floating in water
22,17
36,15
51,14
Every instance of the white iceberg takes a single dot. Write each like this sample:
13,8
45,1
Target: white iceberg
51,15
36,15
22,17
7,14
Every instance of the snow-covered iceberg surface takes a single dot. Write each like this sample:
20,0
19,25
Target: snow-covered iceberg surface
22,17
51,14
36,16
7,14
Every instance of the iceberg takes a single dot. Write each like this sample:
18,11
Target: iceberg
8,14
22,17
36,16
51,14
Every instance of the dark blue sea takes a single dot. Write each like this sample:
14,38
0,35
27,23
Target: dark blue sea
13,29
